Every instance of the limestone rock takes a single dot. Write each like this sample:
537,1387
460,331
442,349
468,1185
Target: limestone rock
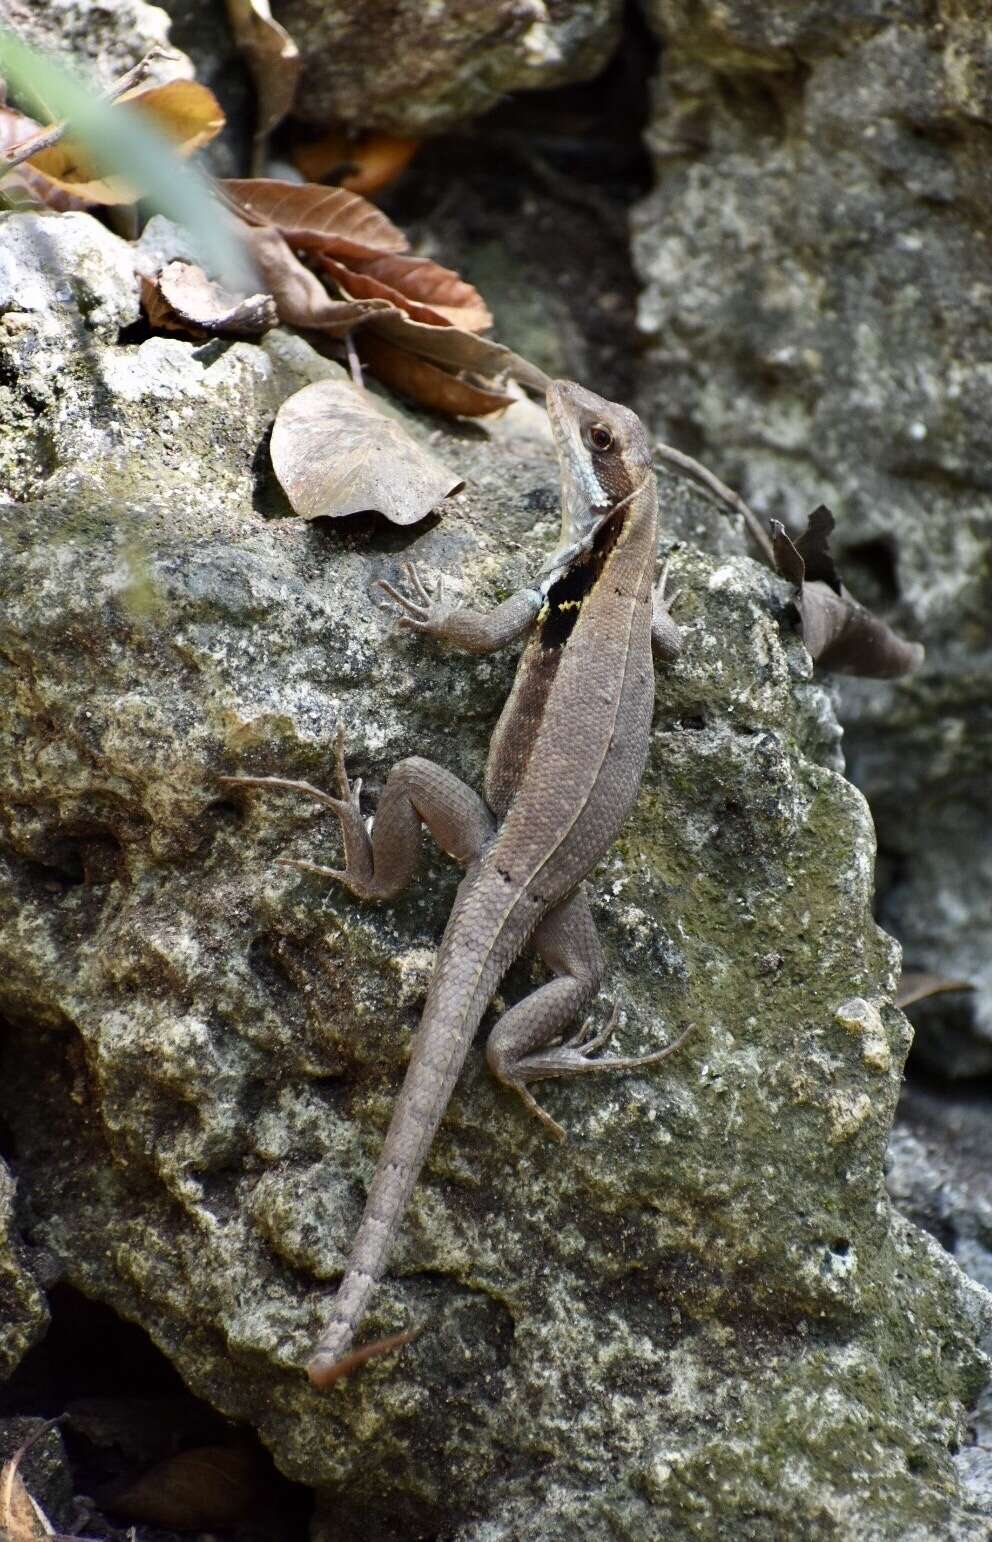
415,69
701,1314
815,266
100,42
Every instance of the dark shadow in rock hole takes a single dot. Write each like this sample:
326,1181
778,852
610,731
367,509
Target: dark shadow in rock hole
127,1409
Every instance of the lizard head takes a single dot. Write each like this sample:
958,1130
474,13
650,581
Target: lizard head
603,452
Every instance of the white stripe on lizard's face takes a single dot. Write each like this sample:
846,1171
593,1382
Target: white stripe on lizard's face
582,493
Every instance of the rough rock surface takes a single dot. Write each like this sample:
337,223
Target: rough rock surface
815,257
23,1315
699,1318
101,41
415,69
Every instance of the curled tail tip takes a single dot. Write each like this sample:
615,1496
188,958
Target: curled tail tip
325,1368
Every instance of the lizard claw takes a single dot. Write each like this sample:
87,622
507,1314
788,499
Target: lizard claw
427,611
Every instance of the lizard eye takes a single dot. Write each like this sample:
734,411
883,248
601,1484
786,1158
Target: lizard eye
600,437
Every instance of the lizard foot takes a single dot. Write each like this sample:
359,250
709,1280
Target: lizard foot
575,1057
357,872
428,610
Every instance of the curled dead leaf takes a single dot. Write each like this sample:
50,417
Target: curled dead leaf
918,984
427,383
272,57
425,290
840,634
24,183
211,1486
457,349
183,299
327,219
336,451
186,113
361,165
300,298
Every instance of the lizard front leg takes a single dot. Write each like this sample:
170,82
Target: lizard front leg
378,865
567,942
433,613
665,635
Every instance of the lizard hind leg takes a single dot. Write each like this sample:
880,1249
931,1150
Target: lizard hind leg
520,1048
379,864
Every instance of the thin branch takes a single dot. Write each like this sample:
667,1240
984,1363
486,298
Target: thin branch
47,137
755,528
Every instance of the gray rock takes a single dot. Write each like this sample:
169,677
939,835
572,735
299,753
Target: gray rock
416,69
699,1318
940,1173
23,1313
815,268
98,41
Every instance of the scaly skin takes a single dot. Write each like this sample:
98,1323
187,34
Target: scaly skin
565,765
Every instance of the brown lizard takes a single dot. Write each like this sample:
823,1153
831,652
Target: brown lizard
564,768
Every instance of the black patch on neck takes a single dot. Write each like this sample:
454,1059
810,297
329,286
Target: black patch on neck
568,593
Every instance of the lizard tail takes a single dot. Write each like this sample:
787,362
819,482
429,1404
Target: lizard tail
418,1113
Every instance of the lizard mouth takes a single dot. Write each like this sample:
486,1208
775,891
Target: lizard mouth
583,497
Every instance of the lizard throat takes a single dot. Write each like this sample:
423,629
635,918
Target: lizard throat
567,594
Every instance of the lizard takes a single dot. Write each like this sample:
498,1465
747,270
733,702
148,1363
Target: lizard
564,768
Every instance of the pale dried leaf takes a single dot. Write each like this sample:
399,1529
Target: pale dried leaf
21,1518
426,291
300,297
322,218
183,299
186,113
273,59
427,383
918,984
335,451
15,129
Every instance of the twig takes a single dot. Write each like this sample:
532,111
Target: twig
354,362
47,137
686,463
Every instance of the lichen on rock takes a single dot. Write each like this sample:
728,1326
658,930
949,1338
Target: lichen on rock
814,257
701,1316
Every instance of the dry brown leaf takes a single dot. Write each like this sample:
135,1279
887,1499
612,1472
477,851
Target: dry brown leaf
917,985
186,113
325,219
335,451
425,382
273,59
15,129
211,1486
183,299
300,297
426,291
840,634
456,349
21,1518
374,160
